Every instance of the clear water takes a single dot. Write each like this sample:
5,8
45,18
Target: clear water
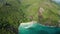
38,29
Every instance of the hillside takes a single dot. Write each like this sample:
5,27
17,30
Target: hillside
50,14
14,12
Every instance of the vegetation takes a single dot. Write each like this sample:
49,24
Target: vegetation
11,15
14,12
51,13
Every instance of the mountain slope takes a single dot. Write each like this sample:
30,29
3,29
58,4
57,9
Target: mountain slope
50,14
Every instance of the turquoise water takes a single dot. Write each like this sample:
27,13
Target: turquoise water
38,29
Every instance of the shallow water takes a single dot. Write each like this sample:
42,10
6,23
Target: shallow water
38,29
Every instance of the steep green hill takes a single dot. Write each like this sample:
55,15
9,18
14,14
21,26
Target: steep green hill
50,14
13,12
